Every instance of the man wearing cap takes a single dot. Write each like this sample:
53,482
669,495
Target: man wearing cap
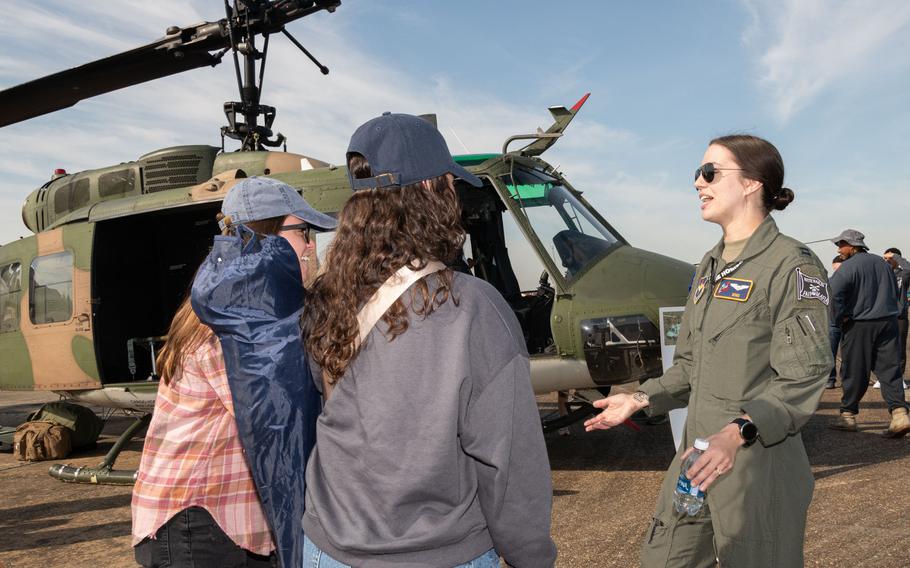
864,292
902,273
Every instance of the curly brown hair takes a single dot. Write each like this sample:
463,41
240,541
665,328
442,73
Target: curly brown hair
380,231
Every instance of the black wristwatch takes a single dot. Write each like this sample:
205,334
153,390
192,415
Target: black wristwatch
747,429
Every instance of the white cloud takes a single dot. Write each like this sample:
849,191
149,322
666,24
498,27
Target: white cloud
806,47
623,173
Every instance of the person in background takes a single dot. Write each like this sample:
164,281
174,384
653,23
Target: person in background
901,268
864,292
751,362
429,449
834,330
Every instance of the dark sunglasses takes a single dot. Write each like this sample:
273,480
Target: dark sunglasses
708,170
304,229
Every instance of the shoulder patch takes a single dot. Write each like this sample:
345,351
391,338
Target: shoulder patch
805,252
811,288
735,289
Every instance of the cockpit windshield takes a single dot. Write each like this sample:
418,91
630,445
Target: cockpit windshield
573,236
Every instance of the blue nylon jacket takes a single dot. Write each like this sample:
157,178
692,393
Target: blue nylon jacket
252,297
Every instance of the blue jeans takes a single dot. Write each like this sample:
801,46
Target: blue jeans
315,558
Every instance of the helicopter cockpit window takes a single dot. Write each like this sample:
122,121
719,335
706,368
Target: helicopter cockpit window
10,292
574,237
51,289
116,183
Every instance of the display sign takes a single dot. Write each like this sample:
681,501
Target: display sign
670,323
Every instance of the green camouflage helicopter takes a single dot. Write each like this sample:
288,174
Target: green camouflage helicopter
81,313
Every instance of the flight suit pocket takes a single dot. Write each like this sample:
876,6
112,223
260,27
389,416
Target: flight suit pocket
656,546
746,316
807,345
734,351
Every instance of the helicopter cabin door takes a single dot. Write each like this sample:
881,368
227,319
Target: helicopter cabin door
56,310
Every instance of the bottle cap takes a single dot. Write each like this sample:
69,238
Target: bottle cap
701,444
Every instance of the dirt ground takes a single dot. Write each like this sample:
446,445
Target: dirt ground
604,486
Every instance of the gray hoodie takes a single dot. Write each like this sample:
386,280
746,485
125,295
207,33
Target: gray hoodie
430,451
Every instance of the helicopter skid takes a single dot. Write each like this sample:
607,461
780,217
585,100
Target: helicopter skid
132,396
104,473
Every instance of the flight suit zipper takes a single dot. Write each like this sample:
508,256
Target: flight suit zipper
754,307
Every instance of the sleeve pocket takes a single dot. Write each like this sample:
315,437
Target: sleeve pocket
805,344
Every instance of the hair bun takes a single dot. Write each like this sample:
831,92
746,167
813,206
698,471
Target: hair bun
784,197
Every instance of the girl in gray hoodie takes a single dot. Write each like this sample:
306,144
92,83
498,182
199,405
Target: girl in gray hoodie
429,450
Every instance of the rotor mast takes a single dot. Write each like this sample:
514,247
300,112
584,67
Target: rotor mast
243,21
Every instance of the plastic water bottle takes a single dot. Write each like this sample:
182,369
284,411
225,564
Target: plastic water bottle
688,498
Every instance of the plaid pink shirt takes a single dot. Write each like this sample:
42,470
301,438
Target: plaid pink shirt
193,457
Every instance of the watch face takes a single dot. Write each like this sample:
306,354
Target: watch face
749,431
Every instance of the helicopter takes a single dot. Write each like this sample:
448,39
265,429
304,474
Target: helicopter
82,315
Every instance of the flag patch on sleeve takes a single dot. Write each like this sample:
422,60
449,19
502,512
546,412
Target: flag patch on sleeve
734,289
811,288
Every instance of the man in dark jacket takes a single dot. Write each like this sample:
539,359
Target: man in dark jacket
901,269
865,301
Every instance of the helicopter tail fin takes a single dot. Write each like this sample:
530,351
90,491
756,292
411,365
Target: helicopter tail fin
561,119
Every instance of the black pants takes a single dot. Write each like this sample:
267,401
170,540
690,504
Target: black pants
192,539
902,339
834,334
871,345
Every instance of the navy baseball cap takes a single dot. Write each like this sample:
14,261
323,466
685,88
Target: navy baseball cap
403,149
257,198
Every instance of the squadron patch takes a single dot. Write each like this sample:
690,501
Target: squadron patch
811,288
700,288
734,289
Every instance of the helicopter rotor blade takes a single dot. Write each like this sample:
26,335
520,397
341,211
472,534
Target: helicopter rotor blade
182,49
166,56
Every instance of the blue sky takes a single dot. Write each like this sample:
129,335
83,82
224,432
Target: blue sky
827,82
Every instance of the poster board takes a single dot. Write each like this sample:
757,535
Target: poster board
670,322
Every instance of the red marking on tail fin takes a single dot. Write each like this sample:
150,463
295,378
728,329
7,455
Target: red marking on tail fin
580,102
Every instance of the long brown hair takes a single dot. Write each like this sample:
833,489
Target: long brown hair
186,333
380,231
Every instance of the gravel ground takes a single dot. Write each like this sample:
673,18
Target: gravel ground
604,487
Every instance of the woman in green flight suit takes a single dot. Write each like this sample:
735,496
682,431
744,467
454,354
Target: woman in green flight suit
751,363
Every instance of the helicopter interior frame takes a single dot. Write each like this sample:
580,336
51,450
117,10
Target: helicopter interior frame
142,267
482,218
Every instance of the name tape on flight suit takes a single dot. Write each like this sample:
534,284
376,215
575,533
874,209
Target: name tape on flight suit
811,288
735,289
704,280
